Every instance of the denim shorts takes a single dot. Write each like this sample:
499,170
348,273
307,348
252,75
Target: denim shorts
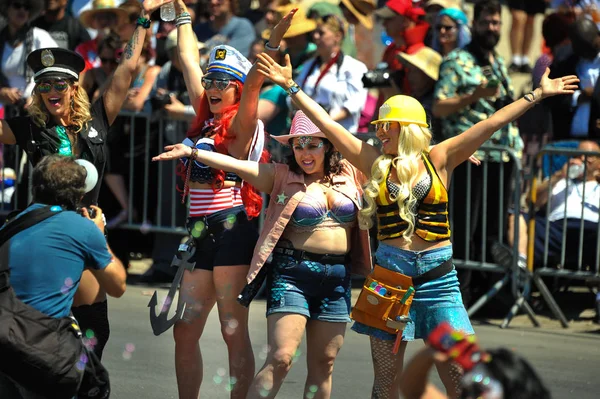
434,302
223,238
315,290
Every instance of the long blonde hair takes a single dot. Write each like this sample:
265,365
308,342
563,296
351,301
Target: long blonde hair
80,109
413,140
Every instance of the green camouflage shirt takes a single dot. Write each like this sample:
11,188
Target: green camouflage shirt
459,75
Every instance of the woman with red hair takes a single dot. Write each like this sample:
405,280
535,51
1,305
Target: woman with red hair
225,100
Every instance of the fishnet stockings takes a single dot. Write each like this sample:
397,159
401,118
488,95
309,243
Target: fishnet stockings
386,366
456,374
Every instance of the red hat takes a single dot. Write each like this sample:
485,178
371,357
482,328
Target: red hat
400,7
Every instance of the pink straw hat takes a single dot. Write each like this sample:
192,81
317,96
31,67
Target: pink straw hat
301,126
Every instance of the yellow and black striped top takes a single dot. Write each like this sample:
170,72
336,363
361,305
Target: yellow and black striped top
431,222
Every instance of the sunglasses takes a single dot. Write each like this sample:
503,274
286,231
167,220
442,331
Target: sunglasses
384,126
445,28
220,84
20,6
59,85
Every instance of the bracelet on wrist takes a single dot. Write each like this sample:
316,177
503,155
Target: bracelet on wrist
530,97
183,22
194,153
268,47
143,22
184,14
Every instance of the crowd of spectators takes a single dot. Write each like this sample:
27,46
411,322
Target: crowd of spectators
432,50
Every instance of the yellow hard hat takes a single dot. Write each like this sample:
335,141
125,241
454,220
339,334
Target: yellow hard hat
402,109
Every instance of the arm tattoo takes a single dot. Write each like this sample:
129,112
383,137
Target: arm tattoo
130,48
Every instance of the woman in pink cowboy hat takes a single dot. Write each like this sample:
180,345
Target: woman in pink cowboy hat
311,232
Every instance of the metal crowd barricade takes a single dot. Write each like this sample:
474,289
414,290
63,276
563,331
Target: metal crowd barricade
168,216
581,270
513,275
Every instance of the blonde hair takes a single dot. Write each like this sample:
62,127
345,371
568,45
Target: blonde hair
80,109
413,140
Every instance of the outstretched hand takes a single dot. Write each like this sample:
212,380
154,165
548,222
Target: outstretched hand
152,5
553,87
282,75
175,151
281,28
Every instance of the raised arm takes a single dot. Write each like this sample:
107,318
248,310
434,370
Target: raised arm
260,175
456,150
357,152
189,57
119,84
244,122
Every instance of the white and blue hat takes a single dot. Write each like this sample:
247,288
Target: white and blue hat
227,60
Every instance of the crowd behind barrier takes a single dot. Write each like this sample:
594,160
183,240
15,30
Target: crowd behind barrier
579,254
155,191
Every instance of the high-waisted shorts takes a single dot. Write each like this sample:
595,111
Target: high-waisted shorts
434,302
316,290
223,238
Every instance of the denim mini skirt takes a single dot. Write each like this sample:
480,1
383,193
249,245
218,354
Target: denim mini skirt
434,302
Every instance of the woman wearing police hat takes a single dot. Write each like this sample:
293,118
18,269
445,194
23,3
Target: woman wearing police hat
407,192
61,120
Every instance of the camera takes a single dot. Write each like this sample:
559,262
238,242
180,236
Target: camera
381,76
159,101
91,212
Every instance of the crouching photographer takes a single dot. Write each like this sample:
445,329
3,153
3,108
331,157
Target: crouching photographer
491,374
45,250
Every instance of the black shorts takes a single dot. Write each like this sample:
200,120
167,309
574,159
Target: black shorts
531,7
223,238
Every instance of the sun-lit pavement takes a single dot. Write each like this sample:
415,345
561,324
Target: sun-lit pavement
142,365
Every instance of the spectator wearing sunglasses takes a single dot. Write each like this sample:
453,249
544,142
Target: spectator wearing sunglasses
62,120
66,30
110,50
451,30
17,40
103,16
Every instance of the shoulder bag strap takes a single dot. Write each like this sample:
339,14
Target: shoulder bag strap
26,221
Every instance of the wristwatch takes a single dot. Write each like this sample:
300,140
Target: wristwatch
293,89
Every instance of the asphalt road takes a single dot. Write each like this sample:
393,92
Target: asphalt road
142,365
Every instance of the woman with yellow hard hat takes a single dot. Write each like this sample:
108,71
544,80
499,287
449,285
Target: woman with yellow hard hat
406,190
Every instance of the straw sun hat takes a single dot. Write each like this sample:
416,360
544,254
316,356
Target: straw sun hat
426,59
362,10
103,6
300,24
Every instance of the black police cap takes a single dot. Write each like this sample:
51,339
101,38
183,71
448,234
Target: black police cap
55,63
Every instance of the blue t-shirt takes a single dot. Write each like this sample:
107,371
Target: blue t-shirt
47,259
